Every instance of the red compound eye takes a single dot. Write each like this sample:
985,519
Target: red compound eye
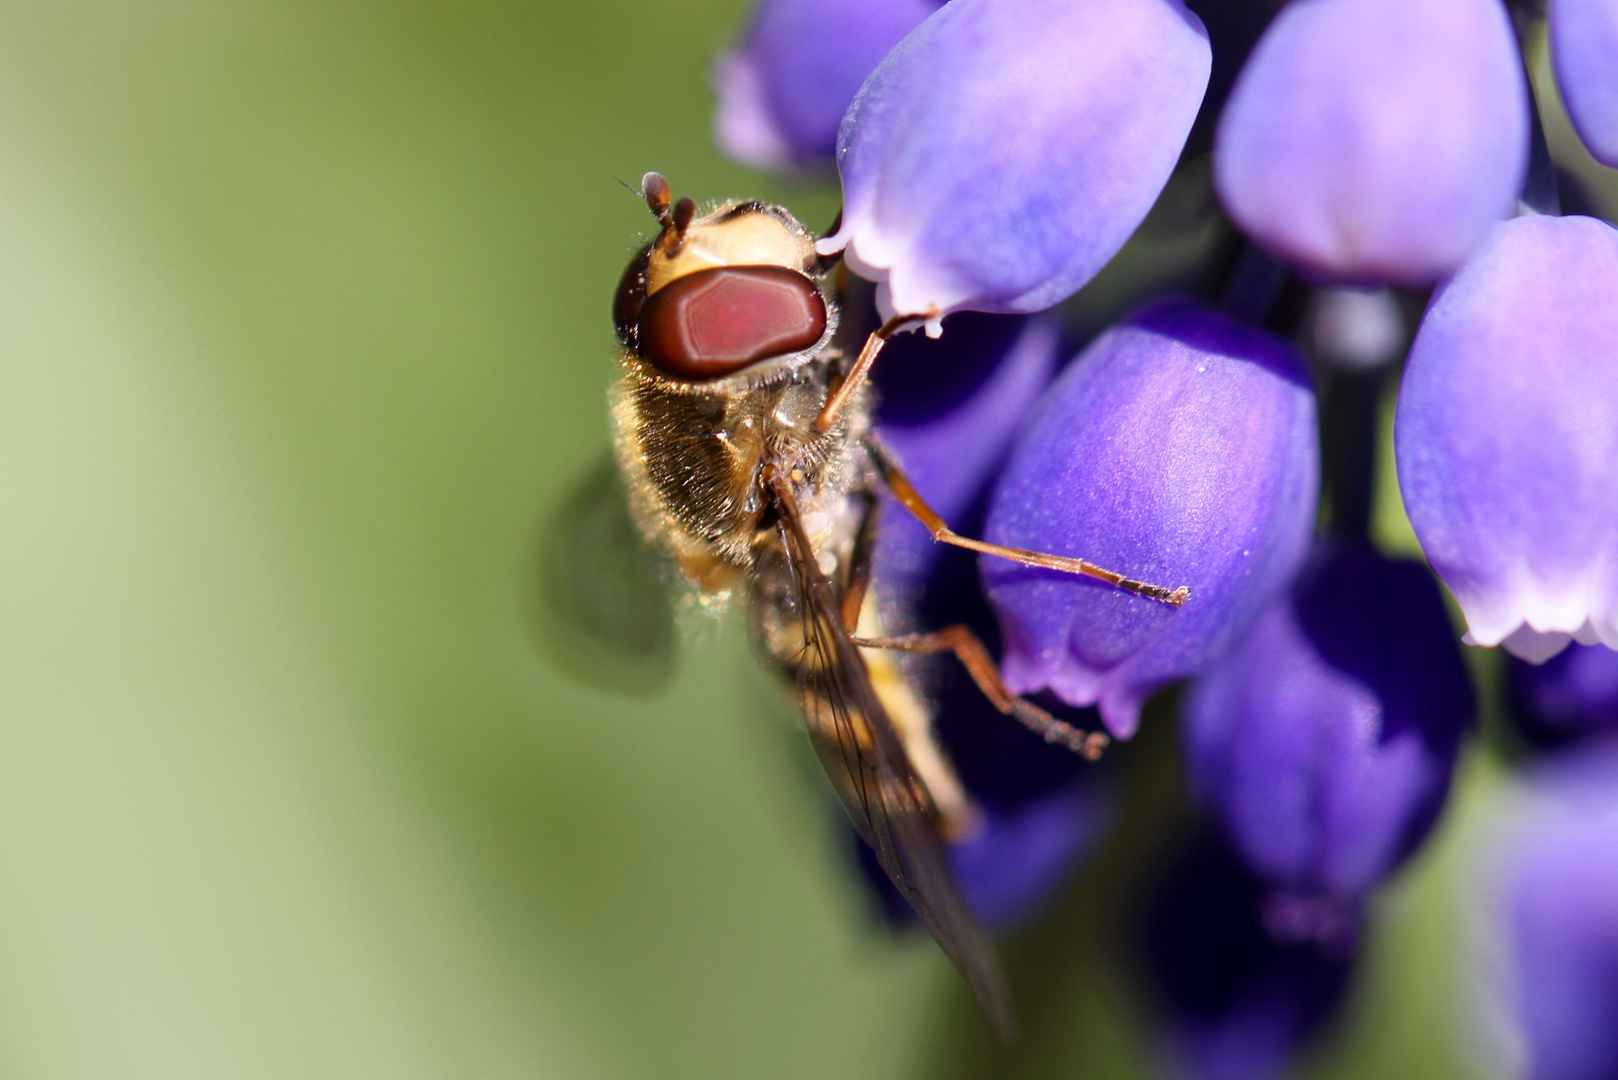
718,321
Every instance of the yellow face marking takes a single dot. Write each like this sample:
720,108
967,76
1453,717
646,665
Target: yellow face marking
751,239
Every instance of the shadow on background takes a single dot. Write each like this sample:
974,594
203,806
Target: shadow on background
604,607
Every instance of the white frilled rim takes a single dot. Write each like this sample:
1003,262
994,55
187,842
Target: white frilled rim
1534,620
873,270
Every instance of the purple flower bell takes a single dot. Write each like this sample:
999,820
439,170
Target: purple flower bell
783,90
1507,436
1572,695
1179,449
1584,51
1556,895
1240,1004
1325,742
1006,149
1376,141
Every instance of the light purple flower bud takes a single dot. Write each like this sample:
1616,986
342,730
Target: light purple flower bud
1584,51
1376,140
1179,449
1507,436
1556,891
1572,695
1324,743
784,89
1006,149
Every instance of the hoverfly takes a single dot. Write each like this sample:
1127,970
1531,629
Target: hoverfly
743,436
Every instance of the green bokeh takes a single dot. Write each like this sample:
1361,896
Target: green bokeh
303,333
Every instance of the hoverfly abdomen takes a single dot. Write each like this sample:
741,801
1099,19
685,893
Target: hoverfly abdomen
715,322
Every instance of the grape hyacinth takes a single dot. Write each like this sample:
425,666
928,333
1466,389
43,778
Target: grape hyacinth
1376,160
1376,140
1507,436
1240,1003
1553,906
1325,741
1150,436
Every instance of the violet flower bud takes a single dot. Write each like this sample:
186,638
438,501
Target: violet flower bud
1556,913
1006,149
1373,141
1507,436
1240,1004
1179,449
1584,52
783,90
1325,742
1572,695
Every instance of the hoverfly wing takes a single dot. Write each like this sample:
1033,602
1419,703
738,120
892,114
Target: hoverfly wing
605,609
866,761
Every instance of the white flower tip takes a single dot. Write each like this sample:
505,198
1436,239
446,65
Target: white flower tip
831,245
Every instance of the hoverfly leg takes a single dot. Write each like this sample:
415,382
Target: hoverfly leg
859,564
960,640
912,501
862,368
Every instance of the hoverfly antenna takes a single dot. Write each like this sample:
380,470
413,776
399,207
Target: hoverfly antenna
684,211
655,190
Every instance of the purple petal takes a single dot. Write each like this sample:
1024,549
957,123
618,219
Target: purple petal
1584,51
784,89
1376,140
1006,149
1507,436
1240,1003
1017,860
1179,449
1324,743
1557,896
948,410
1573,694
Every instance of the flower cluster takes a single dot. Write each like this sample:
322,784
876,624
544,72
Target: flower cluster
994,156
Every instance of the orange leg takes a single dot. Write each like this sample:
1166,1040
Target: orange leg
862,368
975,658
859,564
899,484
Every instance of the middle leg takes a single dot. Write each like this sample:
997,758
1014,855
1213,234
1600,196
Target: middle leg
960,640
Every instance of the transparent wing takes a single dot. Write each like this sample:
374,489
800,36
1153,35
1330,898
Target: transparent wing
866,761
604,607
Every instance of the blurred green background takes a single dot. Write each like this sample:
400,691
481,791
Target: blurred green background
303,334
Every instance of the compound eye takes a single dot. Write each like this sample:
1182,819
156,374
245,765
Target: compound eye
630,296
715,322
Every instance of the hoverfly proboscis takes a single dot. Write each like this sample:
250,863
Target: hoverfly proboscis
744,438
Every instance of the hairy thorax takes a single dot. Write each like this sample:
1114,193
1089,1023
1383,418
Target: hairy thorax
694,457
